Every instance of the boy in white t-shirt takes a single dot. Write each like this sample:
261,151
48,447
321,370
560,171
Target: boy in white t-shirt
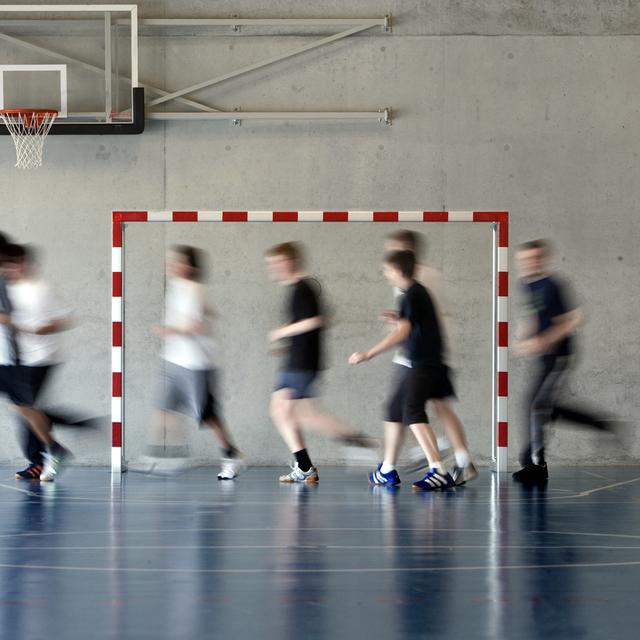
7,350
189,354
35,321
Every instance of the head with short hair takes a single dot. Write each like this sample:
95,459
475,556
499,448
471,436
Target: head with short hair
284,260
184,261
18,259
399,266
533,258
405,240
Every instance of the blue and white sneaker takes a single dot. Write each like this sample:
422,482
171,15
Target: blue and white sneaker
434,480
391,479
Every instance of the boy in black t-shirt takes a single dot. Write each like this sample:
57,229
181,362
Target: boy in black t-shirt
419,329
548,338
464,470
292,406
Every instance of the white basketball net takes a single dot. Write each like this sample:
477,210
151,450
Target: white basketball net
29,130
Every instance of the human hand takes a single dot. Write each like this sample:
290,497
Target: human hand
531,346
388,315
358,357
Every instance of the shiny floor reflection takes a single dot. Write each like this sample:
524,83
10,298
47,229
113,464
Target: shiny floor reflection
191,557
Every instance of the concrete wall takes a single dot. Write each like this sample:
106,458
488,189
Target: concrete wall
497,107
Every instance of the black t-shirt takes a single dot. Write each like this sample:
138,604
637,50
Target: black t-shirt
304,349
424,346
547,300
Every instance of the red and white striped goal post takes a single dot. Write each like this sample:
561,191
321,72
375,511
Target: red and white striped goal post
497,221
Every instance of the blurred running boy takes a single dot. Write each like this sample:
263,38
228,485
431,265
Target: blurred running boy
292,405
418,328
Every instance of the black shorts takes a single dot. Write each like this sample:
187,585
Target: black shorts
6,377
23,384
412,388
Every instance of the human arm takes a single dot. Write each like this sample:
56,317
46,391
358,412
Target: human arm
306,314
396,337
296,328
190,329
53,326
562,327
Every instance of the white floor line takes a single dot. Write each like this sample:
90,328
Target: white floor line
609,486
261,531
322,547
596,475
289,571
19,490
586,533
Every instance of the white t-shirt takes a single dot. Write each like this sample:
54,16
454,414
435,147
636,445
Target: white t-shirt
6,345
32,306
185,303
432,280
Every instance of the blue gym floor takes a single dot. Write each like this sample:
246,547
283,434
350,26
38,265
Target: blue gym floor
190,557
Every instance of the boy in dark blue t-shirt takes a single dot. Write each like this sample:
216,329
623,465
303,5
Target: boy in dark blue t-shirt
548,337
418,328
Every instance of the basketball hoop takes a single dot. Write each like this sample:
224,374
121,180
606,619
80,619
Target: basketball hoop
29,129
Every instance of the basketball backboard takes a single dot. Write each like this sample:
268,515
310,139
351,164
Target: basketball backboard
81,60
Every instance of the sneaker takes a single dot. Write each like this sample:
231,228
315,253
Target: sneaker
532,473
298,475
32,472
464,474
434,480
231,468
391,479
53,464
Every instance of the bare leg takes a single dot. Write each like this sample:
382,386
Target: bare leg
394,433
427,440
220,432
452,424
38,423
166,437
312,417
283,415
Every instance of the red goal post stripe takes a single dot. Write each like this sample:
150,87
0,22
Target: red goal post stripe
500,218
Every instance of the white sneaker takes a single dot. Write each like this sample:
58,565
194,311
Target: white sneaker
53,465
298,475
231,468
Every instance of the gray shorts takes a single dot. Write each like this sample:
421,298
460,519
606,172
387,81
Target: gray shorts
187,391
